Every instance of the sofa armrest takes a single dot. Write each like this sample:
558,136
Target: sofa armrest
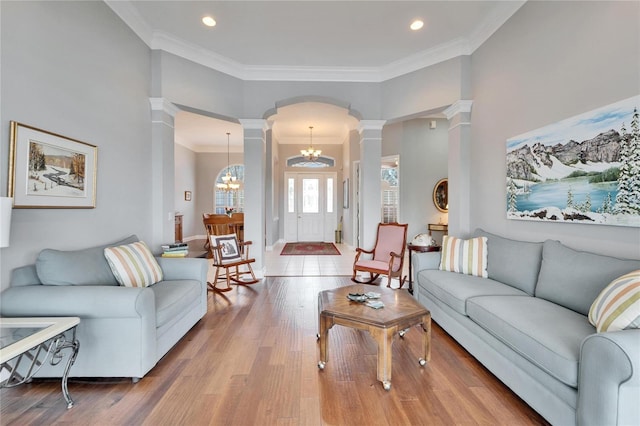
427,260
609,379
80,301
184,269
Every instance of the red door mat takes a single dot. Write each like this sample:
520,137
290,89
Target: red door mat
309,249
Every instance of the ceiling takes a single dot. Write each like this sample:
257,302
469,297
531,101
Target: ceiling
309,41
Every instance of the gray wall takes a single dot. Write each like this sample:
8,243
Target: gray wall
550,61
423,162
186,180
74,68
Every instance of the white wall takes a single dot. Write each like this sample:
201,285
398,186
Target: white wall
74,68
550,61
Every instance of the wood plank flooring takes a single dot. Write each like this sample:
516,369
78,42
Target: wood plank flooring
252,360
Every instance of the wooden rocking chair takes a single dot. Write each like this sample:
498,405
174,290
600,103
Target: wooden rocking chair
387,257
230,257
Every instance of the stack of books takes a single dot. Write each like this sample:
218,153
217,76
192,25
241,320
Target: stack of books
175,250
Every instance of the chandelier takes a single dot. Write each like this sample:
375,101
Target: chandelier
310,154
228,181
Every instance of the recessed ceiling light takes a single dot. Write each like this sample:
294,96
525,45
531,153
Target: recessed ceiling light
209,21
416,25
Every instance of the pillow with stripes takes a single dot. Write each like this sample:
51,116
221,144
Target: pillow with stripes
464,256
617,307
133,265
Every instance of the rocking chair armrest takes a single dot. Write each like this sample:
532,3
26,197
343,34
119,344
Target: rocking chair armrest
394,254
359,251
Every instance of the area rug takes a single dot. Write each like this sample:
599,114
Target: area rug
309,249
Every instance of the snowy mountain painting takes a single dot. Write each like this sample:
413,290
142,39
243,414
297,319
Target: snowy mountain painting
585,169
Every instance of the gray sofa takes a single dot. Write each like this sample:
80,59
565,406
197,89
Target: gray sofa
123,331
527,323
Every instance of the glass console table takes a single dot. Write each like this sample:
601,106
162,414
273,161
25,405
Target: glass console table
27,343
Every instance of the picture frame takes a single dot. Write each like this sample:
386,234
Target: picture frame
345,194
228,244
48,170
187,195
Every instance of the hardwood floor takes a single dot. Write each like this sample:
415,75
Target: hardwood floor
252,360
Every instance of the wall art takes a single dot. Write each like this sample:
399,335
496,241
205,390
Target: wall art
585,169
47,170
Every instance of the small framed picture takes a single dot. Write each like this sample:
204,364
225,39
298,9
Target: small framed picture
187,195
47,170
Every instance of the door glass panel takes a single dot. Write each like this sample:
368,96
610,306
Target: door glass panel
310,196
329,195
291,195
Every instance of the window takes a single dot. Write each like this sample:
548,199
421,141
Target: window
329,195
234,199
390,196
300,161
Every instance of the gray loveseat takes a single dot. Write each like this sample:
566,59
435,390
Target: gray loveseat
123,331
527,323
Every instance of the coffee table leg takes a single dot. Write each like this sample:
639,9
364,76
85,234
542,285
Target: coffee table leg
426,339
384,338
325,324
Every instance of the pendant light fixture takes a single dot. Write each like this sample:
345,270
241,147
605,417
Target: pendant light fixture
311,154
228,181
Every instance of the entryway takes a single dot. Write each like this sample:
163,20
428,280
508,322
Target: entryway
310,206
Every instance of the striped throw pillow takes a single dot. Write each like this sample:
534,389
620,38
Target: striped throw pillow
133,265
464,256
617,307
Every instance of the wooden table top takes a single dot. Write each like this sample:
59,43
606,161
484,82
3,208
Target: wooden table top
398,305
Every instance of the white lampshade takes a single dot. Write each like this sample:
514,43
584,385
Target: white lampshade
6,205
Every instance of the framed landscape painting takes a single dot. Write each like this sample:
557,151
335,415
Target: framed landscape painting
47,170
585,169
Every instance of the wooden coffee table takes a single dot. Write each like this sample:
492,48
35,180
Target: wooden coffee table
401,311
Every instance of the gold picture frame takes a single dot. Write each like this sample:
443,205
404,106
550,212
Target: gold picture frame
50,171
441,195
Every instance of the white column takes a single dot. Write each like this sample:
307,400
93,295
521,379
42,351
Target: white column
162,172
254,188
459,116
370,203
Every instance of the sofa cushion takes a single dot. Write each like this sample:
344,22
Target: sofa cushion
513,262
133,265
546,334
464,256
173,297
455,289
79,267
617,307
574,278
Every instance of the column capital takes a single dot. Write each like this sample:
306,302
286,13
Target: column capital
254,124
161,104
458,107
370,125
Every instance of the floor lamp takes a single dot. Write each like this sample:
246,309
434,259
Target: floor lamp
6,205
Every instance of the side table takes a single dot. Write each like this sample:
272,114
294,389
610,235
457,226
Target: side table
27,343
417,249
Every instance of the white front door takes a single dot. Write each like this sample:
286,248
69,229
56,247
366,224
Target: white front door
310,213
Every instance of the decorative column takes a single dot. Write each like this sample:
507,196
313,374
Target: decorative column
255,133
459,116
370,195
162,172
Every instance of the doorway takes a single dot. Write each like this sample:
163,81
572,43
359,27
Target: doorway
310,206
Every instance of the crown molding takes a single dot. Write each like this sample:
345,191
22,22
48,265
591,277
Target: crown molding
458,107
495,20
171,44
130,15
